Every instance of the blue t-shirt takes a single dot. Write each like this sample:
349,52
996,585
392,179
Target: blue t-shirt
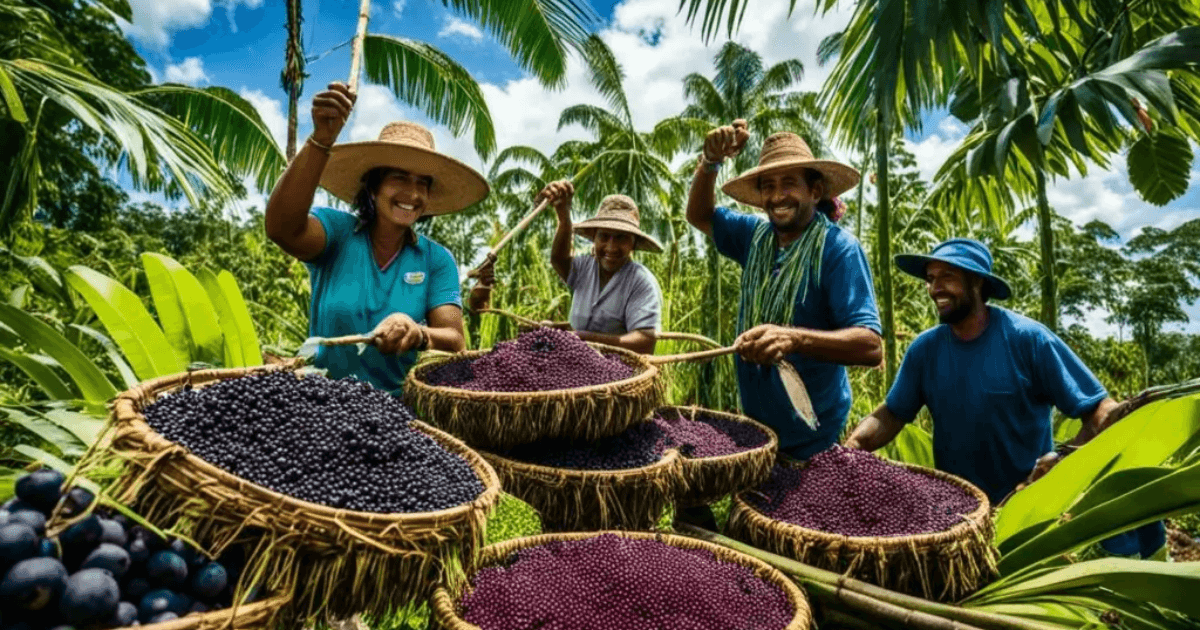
990,397
845,298
351,295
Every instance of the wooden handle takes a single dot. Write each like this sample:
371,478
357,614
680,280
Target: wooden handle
348,340
491,257
680,336
700,355
364,14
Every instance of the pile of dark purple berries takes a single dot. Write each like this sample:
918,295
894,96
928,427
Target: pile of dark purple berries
540,360
708,436
101,572
618,583
339,443
640,445
854,493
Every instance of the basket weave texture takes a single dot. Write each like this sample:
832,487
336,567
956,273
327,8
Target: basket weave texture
589,500
253,616
445,600
498,421
943,566
709,479
332,561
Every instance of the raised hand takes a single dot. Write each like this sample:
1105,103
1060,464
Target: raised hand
725,142
560,194
330,110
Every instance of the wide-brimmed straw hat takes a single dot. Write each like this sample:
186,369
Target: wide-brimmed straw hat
407,146
966,254
618,212
787,150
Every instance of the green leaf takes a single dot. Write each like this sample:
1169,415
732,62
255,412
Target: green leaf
1167,496
92,383
203,336
86,428
66,442
11,99
1160,166
114,354
43,275
1119,447
52,461
166,304
1117,484
41,370
127,322
432,82
251,349
913,445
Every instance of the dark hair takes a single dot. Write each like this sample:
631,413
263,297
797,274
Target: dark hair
986,290
827,206
364,201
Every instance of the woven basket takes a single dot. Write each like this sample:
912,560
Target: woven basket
590,500
445,600
709,479
498,421
258,615
332,561
944,566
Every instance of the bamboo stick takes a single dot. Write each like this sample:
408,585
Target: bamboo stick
834,618
364,14
491,256
812,575
883,611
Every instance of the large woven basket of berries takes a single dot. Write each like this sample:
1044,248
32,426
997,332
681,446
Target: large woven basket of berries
723,453
900,526
70,562
355,504
624,481
615,579
545,384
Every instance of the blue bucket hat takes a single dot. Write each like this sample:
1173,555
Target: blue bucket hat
966,254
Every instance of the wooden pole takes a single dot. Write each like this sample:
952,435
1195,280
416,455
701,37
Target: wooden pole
364,15
491,256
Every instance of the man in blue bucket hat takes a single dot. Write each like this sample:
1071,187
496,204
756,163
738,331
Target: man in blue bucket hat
990,377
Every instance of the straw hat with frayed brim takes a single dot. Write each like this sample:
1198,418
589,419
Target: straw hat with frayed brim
787,150
618,212
406,146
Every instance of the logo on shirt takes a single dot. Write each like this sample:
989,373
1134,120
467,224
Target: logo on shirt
414,277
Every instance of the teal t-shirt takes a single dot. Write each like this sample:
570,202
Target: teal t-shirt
351,295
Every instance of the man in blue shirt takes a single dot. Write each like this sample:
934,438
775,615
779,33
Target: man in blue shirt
990,378
807,296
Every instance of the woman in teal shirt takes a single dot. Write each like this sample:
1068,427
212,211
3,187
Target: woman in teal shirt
370,271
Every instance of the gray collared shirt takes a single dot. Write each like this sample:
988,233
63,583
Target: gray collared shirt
631,300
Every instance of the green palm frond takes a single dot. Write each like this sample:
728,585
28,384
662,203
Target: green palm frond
520,154
431,81
592,118
606,76
538,33
228,123
706,100
718,13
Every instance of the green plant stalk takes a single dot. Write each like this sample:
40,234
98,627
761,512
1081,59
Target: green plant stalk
811,575
883,611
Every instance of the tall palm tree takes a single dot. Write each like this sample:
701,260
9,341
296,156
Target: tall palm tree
292,77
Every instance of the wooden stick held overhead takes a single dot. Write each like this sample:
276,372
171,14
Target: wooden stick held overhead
491,256
364,15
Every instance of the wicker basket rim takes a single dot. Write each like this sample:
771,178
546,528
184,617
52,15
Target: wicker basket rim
669,458
150,389
771,444
649,372
193,619
496,552
969,522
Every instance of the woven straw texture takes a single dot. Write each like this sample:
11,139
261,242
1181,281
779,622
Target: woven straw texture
498,421
253,616
333,561
942,566
590,500
709,479
445,600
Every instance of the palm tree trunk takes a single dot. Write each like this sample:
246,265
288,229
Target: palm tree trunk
1049,282
862,184
883,226
293,72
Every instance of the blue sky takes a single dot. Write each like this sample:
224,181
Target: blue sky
240,44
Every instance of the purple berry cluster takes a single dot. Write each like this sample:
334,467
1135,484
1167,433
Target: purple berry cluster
640,445
709,436
619,583
339,443
852,492
539,360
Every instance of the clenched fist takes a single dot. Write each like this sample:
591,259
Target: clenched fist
727,141
560,194
330,110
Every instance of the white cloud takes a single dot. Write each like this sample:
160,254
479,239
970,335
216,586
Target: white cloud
271,111
398,8
933,150
190,72
154,21
456,26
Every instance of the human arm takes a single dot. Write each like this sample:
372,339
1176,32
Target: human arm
560,194
720,143
399,333
287,221
1094,422
481,293
639,341
876,430
769,343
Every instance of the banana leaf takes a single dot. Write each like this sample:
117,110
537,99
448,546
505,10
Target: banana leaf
64,441
114,354
41,370
92,384
1146,437
127,322
205,338
913,445
241,341
168,307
